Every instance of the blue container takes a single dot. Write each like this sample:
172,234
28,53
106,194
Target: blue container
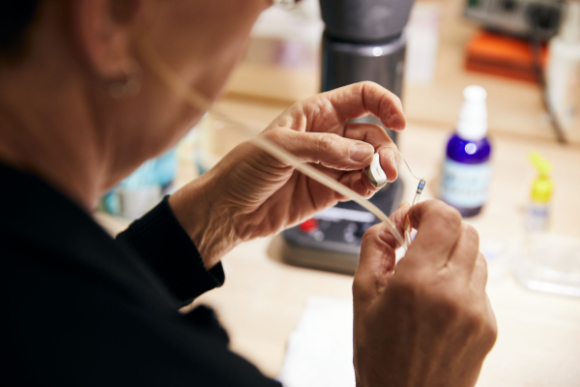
466,174
467,170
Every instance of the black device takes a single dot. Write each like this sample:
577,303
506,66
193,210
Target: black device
521,18
363,41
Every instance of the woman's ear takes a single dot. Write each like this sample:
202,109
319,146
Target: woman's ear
102,31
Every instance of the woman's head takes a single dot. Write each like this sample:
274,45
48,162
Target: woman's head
74,66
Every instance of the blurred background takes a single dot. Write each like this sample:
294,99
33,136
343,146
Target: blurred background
506,153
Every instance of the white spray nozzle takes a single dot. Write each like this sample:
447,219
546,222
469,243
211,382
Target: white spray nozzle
474,94
472,122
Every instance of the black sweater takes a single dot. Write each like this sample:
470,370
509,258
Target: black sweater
81,308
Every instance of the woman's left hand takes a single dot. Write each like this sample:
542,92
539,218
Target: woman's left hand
251,194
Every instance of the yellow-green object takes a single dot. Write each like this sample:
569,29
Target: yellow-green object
543,186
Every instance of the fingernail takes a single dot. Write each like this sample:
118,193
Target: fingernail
361,152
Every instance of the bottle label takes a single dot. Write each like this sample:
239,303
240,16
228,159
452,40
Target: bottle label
537,217
465,185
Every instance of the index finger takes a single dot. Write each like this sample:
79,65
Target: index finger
377,256
438,230
361,98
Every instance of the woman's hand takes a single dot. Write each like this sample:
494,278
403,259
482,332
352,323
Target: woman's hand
251,194
426,321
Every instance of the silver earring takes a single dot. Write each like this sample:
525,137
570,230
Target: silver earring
130,83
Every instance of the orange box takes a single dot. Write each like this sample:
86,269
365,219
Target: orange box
502,56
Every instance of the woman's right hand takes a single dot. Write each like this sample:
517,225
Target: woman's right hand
426,321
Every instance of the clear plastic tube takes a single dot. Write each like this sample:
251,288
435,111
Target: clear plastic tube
170,78
408,228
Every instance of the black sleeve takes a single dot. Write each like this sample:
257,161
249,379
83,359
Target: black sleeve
160,240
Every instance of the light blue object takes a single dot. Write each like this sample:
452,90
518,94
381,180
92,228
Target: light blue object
110,202
166,168
158,172
144,176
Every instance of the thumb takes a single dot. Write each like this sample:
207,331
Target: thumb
328,149
377,257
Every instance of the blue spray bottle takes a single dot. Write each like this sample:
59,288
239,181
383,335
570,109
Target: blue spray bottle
467,170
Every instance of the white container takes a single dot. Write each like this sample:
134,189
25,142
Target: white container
563,67
549,263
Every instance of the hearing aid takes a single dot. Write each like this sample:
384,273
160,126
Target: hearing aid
375,173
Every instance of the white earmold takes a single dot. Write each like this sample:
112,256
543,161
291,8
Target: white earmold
375,173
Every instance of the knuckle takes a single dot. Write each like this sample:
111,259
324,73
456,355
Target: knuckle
447,307
378,237
397,98
487,333
370,234
362,290
481,263
275,135
471,234
490,332
326,143
474,320
357,287
397,101
479,321
447,215
370,84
